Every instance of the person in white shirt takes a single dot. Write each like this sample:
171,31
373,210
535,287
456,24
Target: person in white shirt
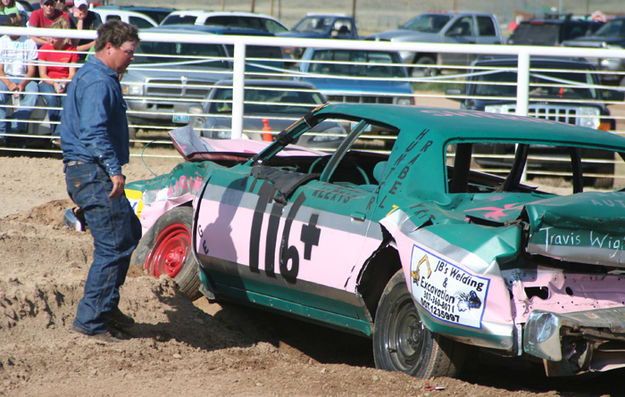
18,57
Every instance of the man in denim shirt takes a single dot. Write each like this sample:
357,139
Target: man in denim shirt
94,139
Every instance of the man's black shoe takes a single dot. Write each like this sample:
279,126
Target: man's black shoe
101,339
119,320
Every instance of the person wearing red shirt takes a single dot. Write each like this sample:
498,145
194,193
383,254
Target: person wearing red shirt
44,17
57,66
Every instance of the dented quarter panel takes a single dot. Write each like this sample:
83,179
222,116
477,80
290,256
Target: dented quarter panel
461,292
164,192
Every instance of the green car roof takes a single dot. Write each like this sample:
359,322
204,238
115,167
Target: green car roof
477,125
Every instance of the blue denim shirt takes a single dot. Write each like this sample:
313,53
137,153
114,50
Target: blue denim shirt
93,126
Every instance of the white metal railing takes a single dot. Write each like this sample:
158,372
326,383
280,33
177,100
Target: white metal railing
453,75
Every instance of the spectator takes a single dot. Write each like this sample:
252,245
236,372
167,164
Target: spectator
44,17
56,71
18,55
83,19
8,7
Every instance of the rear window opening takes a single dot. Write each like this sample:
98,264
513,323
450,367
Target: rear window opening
485,167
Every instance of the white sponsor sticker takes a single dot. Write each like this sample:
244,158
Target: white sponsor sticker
447,291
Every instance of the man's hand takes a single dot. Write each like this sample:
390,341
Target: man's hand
59,87
12,86
118,185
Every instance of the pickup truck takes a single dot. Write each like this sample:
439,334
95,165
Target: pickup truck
357,76
443,27
561,89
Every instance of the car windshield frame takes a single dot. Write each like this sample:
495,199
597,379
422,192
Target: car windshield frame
158,15
175,19
427,23
613,28
192,54
307,124
314,24
245,22
357,63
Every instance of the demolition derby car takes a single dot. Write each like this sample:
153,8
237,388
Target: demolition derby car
418,249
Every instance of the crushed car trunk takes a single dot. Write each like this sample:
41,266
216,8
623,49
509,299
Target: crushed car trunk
585,228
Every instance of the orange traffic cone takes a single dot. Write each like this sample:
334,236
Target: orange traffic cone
266,135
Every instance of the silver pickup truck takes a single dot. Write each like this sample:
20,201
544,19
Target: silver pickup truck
443,27
167,78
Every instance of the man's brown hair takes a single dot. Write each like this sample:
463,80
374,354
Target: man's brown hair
59,23
117,33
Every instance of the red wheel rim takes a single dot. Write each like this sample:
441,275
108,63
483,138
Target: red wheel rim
170,251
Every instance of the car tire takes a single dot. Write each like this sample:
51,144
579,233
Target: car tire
402,343
425,70
132,135
166,249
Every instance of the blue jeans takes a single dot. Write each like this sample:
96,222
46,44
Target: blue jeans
116,231
27,103
53,100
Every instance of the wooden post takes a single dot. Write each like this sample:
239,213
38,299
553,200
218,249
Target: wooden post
253,5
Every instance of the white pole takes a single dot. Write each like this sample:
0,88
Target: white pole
522,91
238,82
523,80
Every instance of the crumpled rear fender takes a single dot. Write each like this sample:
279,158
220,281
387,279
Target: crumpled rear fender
453,274
153,197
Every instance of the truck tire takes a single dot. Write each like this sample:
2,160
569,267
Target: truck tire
425,70
402,343
166,249
604,182
132,135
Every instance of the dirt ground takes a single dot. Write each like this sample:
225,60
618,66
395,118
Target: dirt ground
183,347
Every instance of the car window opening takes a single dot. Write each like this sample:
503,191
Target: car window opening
483,167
